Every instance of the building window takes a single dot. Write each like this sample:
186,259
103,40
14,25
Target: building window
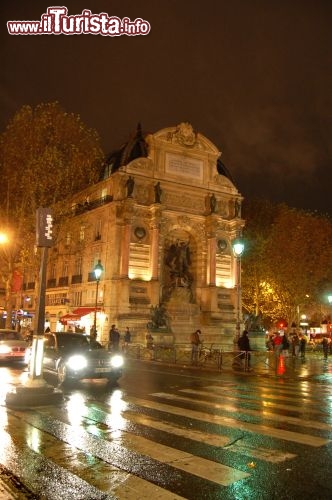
76,299
82,230
78,266
65,268
53,270
98,230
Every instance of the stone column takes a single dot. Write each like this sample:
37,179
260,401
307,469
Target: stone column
212,245
156,214
155,252
125,248
211,226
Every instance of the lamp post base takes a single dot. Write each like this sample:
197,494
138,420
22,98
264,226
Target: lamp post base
28,397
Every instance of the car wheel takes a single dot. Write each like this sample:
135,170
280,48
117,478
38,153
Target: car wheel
62,373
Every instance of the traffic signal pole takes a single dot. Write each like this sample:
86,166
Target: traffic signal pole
35,391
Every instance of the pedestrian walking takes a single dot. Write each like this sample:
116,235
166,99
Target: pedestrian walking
295,345
302,342
126,339
244,345
195,343
277,346
285,345
325,344
114,339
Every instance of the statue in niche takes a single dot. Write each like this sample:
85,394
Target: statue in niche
210,203
157,193
237,208
213,203
130,186
178,261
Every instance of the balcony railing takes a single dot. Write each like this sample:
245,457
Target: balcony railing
63,281
91,276
51,283
77,278
90,205
29,286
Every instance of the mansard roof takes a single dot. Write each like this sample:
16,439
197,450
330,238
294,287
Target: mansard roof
135,147
223,170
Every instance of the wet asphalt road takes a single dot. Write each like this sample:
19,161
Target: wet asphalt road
170,433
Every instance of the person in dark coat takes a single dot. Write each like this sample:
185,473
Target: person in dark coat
244,345
325,345
114,338
126,339
195,342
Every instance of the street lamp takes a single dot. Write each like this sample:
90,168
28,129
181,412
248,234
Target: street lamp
98,269
238,248
3,238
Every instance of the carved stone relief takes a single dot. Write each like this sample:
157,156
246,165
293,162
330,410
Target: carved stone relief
177,268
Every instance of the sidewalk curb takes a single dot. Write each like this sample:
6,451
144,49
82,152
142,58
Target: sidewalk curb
11,488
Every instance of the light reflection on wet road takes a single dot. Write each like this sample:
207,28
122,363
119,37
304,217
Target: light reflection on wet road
171,434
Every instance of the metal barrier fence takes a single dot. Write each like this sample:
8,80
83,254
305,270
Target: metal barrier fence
214,358
217,358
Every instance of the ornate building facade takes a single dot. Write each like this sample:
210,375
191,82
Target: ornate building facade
161,222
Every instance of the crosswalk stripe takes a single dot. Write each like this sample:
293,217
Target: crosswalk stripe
257,395
231,422
218,440
193,434
257,401
213,471
278,393
179,460
109,449
107,478
261,453
201,467
264,412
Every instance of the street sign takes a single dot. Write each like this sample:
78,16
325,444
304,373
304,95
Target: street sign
44,227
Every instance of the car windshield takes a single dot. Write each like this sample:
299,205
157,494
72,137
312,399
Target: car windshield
10,335
73,342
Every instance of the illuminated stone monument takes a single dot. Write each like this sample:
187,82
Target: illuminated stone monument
177,226
162,221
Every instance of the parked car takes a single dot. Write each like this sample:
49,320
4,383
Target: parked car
71,357
12,346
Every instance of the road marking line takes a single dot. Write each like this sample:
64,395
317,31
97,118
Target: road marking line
233,423
201,467
262,412
267,454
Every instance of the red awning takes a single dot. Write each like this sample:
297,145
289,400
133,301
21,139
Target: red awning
83,311
69,317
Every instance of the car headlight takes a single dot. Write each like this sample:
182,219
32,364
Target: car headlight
4,349
77,362
117,361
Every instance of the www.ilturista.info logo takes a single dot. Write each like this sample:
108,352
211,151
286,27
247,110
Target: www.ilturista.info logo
57,22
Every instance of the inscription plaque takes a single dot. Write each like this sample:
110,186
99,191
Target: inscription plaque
184,166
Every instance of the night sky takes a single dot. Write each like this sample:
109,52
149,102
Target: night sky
254,76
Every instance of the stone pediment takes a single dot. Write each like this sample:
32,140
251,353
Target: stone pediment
142,165
184,135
